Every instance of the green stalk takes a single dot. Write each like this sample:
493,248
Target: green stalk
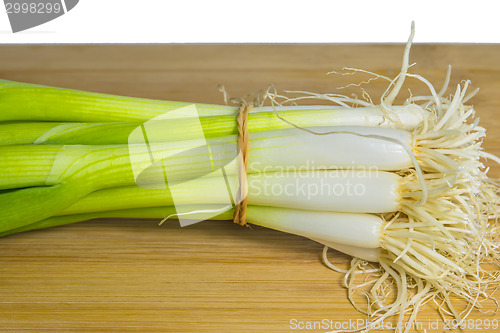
38,165
23,133
28,102
105,166
73,172
23,166
26,206
80,177
131,197
97,119
177,129
138,213
185,129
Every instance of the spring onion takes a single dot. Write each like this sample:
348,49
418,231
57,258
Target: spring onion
401,186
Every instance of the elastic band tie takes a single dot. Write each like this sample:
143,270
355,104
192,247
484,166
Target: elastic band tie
240,211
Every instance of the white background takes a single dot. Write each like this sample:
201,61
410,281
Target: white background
223,21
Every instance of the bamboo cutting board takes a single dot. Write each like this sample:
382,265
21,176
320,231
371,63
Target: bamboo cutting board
134,276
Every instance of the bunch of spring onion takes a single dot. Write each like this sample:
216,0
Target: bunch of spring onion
401,186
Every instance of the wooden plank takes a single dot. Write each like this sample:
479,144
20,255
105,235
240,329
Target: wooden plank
133,276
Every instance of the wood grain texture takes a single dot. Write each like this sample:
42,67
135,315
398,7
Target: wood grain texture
133,276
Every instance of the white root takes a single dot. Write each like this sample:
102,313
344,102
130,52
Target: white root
435,247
